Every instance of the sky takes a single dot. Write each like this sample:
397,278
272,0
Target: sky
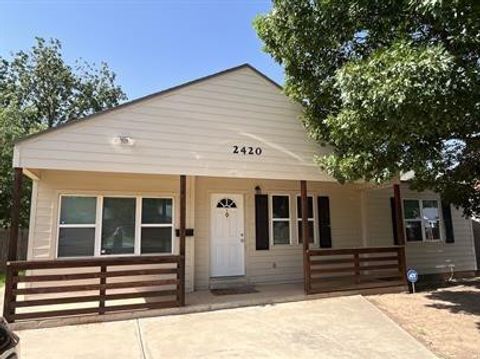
151,45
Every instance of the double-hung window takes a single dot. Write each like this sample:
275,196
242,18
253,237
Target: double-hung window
114,225
422,220
157,225
311,220
118,225
77,225
280,219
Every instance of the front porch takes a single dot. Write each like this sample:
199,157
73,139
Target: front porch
196,302
128,287
106,285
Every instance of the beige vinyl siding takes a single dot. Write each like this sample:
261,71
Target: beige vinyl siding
354,223
44,220
281,263
425,257
189,131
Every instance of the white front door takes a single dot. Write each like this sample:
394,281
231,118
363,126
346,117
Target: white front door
227,242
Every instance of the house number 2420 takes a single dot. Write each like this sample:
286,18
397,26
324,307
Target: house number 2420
247,150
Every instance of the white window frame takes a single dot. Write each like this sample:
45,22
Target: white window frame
98,247
313,219
98,224
422,221
272,220
60,225
140,224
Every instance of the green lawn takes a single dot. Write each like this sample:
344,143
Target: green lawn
2,279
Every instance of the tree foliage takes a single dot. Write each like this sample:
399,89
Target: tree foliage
38,90
393,85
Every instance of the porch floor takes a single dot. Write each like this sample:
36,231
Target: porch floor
202,301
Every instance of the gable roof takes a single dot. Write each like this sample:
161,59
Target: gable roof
148,97
237,125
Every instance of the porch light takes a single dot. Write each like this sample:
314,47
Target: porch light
258,190
123,141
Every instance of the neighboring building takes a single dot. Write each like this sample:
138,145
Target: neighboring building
108,185
476,238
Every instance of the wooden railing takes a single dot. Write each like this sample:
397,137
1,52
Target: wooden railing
39,289
354,269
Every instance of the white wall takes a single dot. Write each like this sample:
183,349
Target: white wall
44,217
350,227
425,257
281,263
189,131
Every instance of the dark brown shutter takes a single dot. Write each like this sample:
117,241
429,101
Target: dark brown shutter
261,222
324,222
447,219
393,210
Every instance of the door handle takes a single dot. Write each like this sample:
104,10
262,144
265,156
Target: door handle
242,240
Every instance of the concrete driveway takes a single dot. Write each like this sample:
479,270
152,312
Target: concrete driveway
344,327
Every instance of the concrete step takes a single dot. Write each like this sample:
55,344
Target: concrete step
228,282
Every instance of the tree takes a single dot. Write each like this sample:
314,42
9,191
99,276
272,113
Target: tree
39,90
10,131
392,85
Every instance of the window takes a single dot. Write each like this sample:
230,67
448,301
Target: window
157,225
226,203
413,220
311,219
101,225
431,220
76,233
281,219
422,220
118,225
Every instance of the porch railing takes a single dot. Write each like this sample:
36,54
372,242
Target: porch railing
354,269
58,288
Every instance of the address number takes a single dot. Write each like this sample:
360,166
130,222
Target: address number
247,150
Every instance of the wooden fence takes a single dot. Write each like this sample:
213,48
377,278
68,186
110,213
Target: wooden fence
21,249
355,269
33,288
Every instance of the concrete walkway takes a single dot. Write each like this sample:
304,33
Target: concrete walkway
344,327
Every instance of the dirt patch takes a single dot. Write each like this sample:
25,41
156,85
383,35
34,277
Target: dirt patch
446,320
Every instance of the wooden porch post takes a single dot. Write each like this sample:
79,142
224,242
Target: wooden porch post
306,262
398,209
183,211
400,232
10,286
15,214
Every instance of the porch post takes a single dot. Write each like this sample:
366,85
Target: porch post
397,198
10,286
306,264
15,214
398,209
183,211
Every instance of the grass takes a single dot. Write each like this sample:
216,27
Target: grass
2,279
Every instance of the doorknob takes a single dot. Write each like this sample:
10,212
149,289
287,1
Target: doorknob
242,240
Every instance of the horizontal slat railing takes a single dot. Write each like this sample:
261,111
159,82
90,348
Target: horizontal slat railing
32,291
350,269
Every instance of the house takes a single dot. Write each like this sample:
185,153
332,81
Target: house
214,176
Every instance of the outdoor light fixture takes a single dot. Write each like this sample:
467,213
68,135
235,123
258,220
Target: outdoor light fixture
123,141
258,190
